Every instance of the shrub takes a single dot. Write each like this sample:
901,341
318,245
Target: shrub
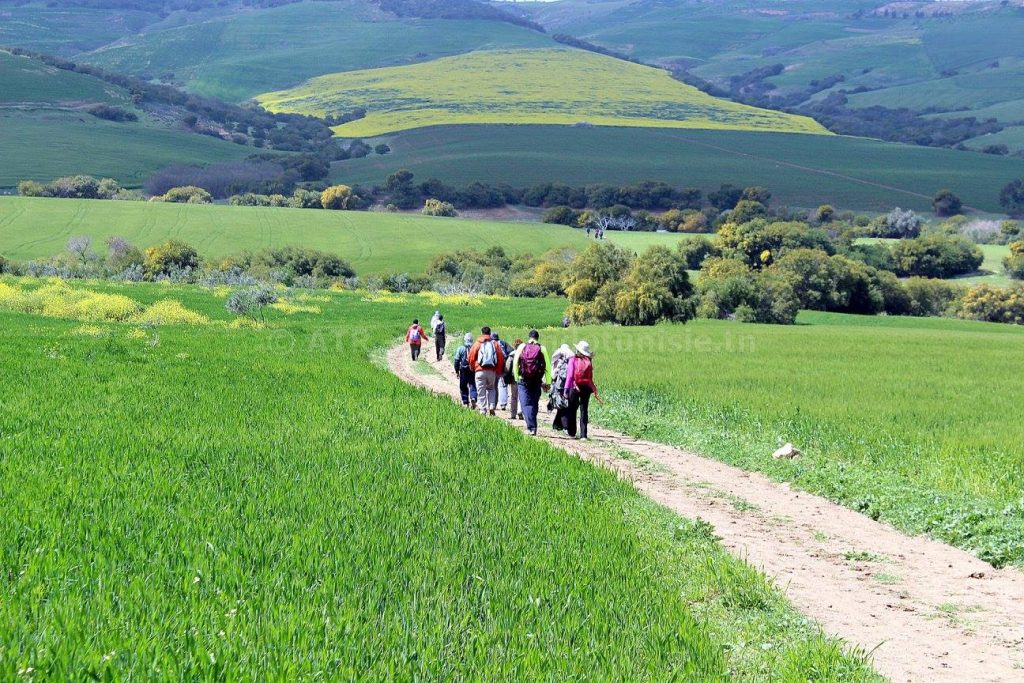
109,113
1014,263
898,223
251,301
936,256
928,297
747,211
435,207
1011,198
945,203
561,215
382,149
593,279
993,304
188,194
31,188
305,199
169,312
825,214
302,261
694,251
656,287
729,288
759,243
5,265
339,198
169,257
122,255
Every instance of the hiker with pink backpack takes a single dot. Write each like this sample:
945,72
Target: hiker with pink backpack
579,387
533,375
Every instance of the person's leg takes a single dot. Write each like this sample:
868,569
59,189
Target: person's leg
481,390
464,387
415,351
524,399
530,399
574,405
513,401
502,393
492,391
584,400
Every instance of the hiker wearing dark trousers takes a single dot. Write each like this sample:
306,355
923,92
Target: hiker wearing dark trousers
440,336
579,387
415,336
467,382
510,381
557,400
533,375
487,360
503,385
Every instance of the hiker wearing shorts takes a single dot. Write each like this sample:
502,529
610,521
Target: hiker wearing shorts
487,360
415,337
467,382
579,387
533,374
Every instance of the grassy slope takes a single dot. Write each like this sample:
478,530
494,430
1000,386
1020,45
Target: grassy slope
524,86
56,29
910,420
29,81
242,55
802,170
304,514
373,242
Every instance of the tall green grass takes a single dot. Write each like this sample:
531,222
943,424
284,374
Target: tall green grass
912,421
213,504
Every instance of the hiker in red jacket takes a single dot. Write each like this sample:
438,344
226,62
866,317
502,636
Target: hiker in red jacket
487,360
415,336
579,387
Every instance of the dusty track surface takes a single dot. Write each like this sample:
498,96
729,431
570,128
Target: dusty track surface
926,611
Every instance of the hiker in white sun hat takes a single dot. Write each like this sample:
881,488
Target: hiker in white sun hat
579,387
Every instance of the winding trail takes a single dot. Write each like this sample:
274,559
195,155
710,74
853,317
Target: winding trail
925,610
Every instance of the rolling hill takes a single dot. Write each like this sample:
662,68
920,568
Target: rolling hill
551,86
46,129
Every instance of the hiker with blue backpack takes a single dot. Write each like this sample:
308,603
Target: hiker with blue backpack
487,360
415,337
467,381
533,376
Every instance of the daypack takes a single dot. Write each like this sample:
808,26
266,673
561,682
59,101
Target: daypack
583,371
414,335
487,356
531,362
462,358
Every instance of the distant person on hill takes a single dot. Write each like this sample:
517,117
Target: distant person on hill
440,331
487,360
467,382
503,385
415,336
556,399
579,387
514,412
533,375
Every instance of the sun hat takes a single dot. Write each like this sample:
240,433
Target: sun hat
583,348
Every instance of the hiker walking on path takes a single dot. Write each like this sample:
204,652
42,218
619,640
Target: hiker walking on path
415,337
579,387
514,413
557,400
467,382
487,360
533,374
440,330
503,385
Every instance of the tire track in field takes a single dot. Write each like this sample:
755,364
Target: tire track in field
925,610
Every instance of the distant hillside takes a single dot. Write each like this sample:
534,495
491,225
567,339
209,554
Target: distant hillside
559,86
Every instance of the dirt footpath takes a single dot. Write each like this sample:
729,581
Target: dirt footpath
927,611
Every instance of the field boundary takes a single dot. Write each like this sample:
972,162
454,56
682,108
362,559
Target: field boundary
923,609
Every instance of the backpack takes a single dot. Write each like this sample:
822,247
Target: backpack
414,335
462,358
531,362
439,329
583,371
487,356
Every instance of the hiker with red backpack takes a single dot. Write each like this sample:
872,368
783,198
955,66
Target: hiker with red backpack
487,361
533,374
415,336
579,387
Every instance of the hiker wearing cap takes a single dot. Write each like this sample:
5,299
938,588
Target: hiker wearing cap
579,387
415,337
439,328
467,382
503,385
487,360
533,374
556,399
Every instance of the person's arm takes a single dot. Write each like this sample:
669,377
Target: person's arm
407,333
500,353
515,363
472,356
547,365
423,333
570,373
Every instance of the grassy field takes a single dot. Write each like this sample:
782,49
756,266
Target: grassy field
523,86
55,28
210,503
912,421
372,242
243,54
30,81
801,170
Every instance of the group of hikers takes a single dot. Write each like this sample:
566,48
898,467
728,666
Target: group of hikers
495,375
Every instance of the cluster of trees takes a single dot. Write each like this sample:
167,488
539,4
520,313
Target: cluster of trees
259,174
494,272
1014,263
109,113
455,9
78,187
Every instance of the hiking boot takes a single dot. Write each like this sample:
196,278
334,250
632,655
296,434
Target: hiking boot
473,404
491,412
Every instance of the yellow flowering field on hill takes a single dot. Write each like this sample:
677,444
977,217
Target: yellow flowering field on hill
543,86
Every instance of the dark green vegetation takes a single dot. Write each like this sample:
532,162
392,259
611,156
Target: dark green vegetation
47,130
894,417
800,170
247,504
